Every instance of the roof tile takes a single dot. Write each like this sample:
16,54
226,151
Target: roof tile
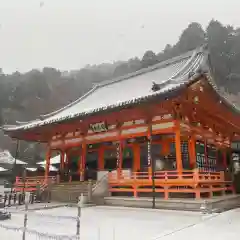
132,88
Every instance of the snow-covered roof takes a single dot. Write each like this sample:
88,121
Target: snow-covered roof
31,169
7,158
53,160
3,169
51,168
171,75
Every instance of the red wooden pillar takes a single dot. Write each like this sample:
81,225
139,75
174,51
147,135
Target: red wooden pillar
66,159
206,156
119,150
178,148
192,151
48,157
62,159
121,156
80,165
136,157
165,147
149,151
83,161
101,158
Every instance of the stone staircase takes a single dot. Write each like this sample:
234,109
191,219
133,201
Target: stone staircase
69,192
94,191
210,205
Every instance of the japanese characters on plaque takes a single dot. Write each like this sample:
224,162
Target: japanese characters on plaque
163,117
99,127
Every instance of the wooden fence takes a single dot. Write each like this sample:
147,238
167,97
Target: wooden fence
166,182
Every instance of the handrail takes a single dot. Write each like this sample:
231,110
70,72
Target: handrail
30,183
191,181
34,179
166,175
105,176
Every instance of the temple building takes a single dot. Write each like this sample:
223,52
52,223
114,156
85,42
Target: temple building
167,125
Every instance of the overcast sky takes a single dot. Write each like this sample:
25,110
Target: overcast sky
68,34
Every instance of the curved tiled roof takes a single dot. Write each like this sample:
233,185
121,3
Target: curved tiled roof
170,76
223,98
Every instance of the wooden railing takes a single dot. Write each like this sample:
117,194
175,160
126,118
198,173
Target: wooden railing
30,183
167,175
166,182
99,182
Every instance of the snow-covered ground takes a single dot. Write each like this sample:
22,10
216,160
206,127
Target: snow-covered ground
105,223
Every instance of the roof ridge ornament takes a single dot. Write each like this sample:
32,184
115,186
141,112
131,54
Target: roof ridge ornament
155,86
191,74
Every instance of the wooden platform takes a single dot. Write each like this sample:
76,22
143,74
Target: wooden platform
215,204
199,184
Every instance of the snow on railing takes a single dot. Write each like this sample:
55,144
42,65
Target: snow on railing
167,175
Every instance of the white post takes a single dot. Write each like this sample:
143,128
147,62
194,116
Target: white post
27,195
79,205
114,234
99,234
203,207
89,191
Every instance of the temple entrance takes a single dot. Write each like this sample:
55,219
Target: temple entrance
73,166
110,159
163,159
91,165
128,158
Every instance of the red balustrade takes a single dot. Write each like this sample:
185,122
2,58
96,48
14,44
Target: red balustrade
31,183
190,181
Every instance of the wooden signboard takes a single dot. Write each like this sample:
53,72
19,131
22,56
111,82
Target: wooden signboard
99,127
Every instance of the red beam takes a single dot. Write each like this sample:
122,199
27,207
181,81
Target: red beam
45,133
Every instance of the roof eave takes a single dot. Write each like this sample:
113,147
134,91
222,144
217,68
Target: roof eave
210,79
125,105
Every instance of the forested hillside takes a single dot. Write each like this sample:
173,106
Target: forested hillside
25,96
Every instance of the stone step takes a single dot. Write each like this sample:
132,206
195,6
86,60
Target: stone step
74,188
69,189
75,183
69,192
70,186
60,187
67,196
214,205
